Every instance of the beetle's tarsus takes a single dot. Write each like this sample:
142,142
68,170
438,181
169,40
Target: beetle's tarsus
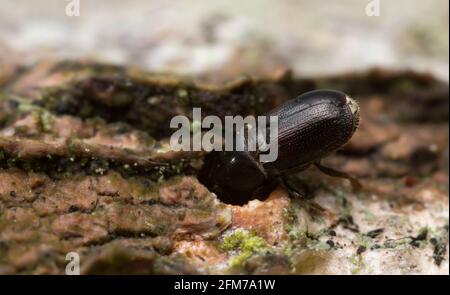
356,184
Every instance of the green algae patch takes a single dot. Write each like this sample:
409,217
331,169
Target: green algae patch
247,243
46,121
244,240
357,263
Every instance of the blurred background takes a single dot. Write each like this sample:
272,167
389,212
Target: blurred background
203,38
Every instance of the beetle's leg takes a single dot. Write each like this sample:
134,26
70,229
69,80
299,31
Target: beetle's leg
357,186
296,187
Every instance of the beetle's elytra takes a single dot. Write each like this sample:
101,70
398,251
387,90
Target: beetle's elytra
309,127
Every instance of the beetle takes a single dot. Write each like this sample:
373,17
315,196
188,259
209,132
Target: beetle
310,127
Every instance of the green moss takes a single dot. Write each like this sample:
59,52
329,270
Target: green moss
244,238
182,93
358,263
317,245
46,121
25,107
295,227
369,216
240,259
391,244
246,243
364,241
318,220
293,233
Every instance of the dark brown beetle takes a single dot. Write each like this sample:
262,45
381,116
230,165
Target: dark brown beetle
309,127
